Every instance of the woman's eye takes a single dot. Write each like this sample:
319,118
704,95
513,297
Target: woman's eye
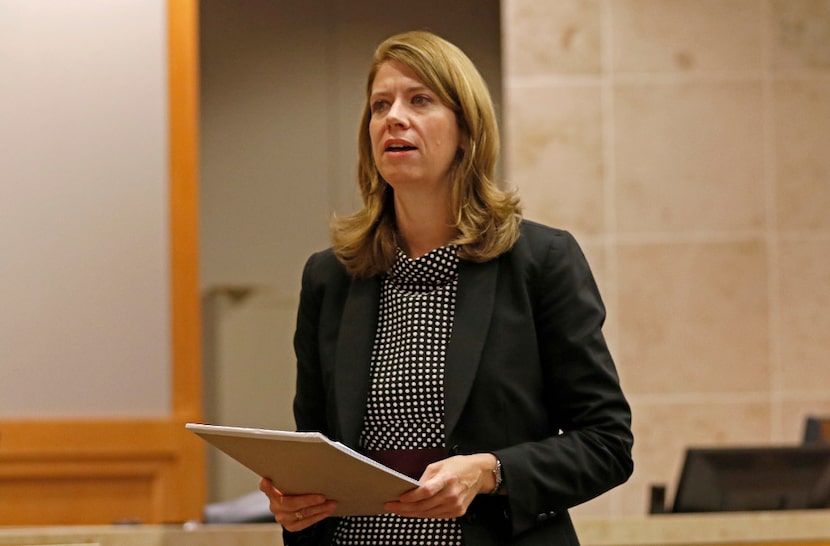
420,100
379,106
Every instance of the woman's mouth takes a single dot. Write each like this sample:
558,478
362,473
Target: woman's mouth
399,146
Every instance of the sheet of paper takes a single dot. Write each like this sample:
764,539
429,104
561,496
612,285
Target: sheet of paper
308,462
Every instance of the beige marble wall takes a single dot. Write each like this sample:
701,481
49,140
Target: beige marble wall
687,145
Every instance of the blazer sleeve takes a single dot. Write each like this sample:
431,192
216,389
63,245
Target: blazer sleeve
589,450
310,406
309,397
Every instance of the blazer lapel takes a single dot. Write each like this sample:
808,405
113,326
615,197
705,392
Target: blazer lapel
354,351
473,311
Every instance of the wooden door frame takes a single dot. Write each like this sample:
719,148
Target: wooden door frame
183,68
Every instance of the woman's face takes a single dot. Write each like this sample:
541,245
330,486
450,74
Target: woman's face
414,136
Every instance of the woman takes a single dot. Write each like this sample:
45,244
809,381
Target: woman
444,331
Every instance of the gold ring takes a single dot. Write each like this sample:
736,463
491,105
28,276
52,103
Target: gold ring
298,515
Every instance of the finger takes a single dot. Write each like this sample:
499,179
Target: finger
267,487
429,488
302,507
415,509
305,517
450,501
293,503
435,512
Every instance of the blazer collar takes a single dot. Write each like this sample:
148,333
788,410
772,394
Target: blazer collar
473,310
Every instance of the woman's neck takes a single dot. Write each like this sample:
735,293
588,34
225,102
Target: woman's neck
423,224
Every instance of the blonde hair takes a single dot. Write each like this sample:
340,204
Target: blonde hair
486,218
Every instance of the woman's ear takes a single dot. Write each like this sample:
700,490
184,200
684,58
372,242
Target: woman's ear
463,144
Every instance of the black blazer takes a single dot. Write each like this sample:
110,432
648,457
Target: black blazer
528,377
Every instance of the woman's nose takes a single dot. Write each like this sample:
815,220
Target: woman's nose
397,114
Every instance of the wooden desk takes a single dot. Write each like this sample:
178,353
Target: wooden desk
790,528
785,528
145,535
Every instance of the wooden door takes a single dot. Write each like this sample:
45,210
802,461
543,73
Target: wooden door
71,471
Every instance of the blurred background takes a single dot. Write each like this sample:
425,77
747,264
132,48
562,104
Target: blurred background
684,142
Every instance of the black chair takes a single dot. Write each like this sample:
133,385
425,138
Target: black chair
817,430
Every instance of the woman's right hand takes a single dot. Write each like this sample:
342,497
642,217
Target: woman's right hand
296,512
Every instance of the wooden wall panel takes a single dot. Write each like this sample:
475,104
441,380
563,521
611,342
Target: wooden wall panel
99,472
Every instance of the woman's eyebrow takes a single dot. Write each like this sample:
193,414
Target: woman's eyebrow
412,89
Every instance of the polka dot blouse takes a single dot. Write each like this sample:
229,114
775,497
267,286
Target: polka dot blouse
406,398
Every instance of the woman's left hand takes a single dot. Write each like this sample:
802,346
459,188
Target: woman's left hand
447,487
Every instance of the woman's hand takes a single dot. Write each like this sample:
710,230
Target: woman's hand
296,512
448,487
